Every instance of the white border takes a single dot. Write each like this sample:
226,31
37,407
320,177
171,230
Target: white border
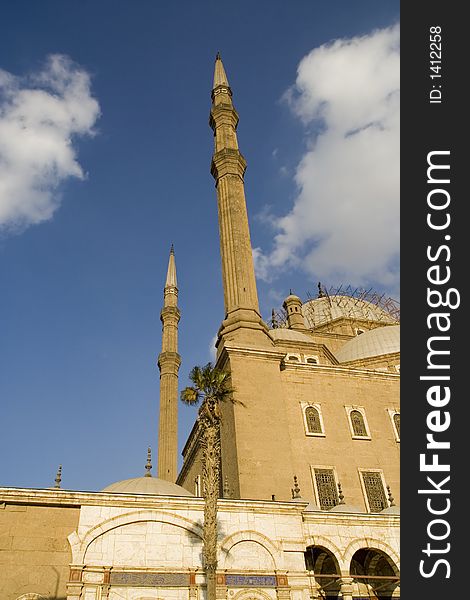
391,413
315,489
361,470
362,410
304,406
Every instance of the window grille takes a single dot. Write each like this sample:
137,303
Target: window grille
374,490
358,424
396,421
326,488
313,420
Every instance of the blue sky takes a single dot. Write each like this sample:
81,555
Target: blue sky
81,284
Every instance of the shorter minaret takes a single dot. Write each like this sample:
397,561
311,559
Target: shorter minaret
293,307
169,363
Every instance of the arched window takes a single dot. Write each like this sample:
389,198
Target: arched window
293,357
358,424
311,360
312,417
396,422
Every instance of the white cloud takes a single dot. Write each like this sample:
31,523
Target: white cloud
40,116
344,225
213,349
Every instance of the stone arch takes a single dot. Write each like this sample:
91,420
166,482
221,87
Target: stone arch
323,567
250,536
79,544
370,544
252,594
320,540
366,564
31,596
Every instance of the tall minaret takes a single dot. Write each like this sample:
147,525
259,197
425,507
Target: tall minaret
242,317
169,363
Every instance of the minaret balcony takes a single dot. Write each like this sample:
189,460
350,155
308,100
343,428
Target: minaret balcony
169,363
223,114
228,162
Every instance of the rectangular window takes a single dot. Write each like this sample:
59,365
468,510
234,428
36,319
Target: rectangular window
374,488
326,488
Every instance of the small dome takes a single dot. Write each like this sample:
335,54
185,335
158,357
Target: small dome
391,510
376,342
346,508
312,507
292,297
146,485
289,335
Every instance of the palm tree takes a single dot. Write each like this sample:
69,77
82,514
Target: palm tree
211,388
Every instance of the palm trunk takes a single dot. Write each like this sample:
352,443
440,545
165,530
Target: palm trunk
210,478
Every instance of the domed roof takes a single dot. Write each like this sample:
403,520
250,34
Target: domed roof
290,335
146,485
391,510
376,342
291,297
347,508
328,308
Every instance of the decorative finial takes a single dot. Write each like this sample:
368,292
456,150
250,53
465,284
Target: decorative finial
390,497
340,494
148,466
290,291
58,477
172,249
273,319
296,489
320,291
217,56
226,489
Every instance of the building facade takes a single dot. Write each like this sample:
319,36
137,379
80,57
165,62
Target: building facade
318,390
309,453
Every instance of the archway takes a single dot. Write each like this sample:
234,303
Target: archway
375,574
324,571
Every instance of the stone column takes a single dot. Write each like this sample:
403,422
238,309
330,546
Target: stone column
74,591
282,588
346,588
74,585
220,587
192,585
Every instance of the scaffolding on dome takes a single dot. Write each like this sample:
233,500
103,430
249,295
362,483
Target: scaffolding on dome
346,301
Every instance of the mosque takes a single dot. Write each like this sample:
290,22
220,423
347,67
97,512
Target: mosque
309,492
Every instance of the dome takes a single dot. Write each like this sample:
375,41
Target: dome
376,342
292,297
146,485
391,510
289,335
328,308
346,508
311,507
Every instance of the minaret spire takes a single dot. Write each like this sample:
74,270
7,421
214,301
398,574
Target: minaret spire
169,362
220,77
242,317
171,281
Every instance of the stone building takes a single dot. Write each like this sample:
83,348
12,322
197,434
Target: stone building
310,455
